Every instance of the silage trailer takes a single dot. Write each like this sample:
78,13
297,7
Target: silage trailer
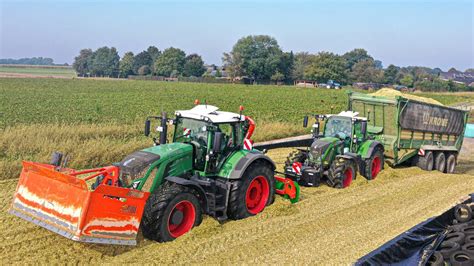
424,134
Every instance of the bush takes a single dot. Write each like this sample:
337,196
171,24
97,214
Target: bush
441,85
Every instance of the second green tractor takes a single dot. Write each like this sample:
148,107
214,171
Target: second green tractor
338,153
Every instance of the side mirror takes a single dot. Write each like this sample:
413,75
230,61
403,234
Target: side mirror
147,127
316,129
363,128
305,121
216,145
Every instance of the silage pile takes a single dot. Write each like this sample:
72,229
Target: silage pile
391,93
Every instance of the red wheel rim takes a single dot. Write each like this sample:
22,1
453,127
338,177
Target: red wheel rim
257,195
181,218
347,178
376,166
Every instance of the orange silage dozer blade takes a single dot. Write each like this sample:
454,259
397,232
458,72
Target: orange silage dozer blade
61,202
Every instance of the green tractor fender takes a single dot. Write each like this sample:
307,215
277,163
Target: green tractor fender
193,184
366,151
245,161
368,147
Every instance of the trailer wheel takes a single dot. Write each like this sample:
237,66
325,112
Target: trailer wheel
426,162
373,165
450,164
250,194
341,173
440,162
170,212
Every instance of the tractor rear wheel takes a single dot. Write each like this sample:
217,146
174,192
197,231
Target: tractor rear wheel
341,173
426,162
170,212
252,192
373,165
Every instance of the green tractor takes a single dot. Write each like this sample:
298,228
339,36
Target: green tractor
336,155
207,168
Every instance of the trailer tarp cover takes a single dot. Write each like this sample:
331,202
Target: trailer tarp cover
429,118
415,246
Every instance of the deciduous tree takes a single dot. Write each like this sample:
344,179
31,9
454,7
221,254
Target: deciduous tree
256,56
193,66
325,66
126,65
392,74
82,62
355,56
142,59
172,59
105,62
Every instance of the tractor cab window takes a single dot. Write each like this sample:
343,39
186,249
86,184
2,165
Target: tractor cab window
194,132
337,126
227,130
358,131
190,130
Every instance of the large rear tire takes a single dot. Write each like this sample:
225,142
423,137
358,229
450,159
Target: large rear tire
170,212
341,173
440,162
426,162
252,192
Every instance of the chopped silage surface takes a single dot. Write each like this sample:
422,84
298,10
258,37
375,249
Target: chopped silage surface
327,225
391,93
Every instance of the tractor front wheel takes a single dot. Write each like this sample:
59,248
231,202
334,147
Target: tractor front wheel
250,194
341,173
170,213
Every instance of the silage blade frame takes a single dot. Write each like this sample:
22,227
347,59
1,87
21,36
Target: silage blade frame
62,203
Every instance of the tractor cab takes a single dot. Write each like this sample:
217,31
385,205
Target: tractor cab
213,134
347,128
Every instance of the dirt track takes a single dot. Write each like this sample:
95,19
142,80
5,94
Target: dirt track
327,225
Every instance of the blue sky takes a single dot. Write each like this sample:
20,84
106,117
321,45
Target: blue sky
430,33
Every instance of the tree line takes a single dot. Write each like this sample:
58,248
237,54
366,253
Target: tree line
260,58
106,62
37,61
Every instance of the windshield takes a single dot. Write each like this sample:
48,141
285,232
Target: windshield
340,126
188,130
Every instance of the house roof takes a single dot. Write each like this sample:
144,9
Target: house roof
210,113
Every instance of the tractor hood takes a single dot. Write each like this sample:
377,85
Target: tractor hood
170,150
136,164
321,146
